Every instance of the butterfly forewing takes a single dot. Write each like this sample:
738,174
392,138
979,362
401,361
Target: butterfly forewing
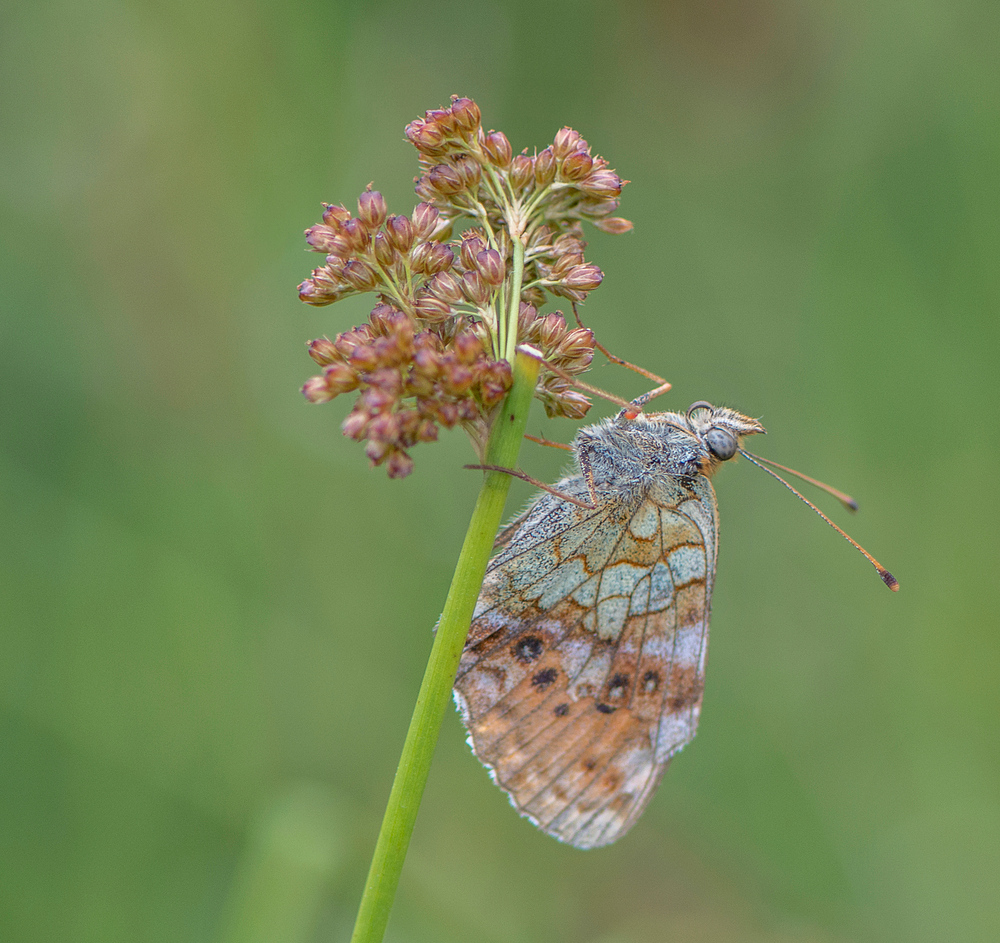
584,666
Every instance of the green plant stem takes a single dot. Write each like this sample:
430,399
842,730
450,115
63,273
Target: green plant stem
435,690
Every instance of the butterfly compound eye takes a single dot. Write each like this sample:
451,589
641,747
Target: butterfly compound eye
721,443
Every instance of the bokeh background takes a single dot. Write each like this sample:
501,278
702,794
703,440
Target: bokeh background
215,617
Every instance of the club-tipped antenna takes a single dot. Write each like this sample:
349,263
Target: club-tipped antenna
886,576
844,499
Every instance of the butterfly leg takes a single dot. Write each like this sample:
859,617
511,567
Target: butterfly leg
648,374
538,484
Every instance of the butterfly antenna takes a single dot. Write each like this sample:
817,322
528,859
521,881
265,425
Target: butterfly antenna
886,576
844,499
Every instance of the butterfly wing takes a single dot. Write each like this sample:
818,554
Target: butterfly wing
583,670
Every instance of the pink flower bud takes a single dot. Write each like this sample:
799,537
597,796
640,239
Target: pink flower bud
385,254
425,219
321,238
445,286
439,259
399,465
399,231
498,149
603,183
466,113
356,234
424,135
316,391
360,276
323,351
491,267
584,277
566,142
469,172
614,225
371,208
545,167
576,166
522,171
445,180
475,288
333,216
472,245
355,424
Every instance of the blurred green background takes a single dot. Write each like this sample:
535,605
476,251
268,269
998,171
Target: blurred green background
215,617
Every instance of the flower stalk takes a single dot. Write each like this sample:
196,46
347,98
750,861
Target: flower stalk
435,689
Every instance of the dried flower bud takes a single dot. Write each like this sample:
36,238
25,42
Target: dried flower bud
614,225
583,277
491,267
355,425
423,135
322,238
360,275
468,347
320,291
566,142
419,257
469,171
445,180
498,149
445,286
347,341
426,431
565,263
545,167
475,288
439,259
448,414
472,245
522,171
533,296
377,450
550,330
377,400
443,118
576,166
372,208
341,378
323,351
425,220
356,234
315,390
363,358
432,309
458,379
399,464
572,404
333,216
466,113
576,342
384,428
385,254
399,232
603,183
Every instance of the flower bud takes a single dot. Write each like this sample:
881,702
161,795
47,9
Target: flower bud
545,167
498,149
372,208
333,216
574,343
355,424
376,400
316,390
572,404
356,234
584,277
425,220
432,309
423,135
360,276
467,410
468,348
399,464
363,358
614,225
564,263
426,431
472,245
385,254
475,288
533,296
522,171
319,291
550,330
447,414
322,239
399,233
384,428
439,259
566,142
491,267
340,378
445,286
466,112
445,180
443,118
576,166
469,172
323,351
458,379
377,450
603,183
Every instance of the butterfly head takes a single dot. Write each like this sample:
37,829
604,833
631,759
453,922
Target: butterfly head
721,430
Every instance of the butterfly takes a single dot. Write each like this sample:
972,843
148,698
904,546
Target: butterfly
583,671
